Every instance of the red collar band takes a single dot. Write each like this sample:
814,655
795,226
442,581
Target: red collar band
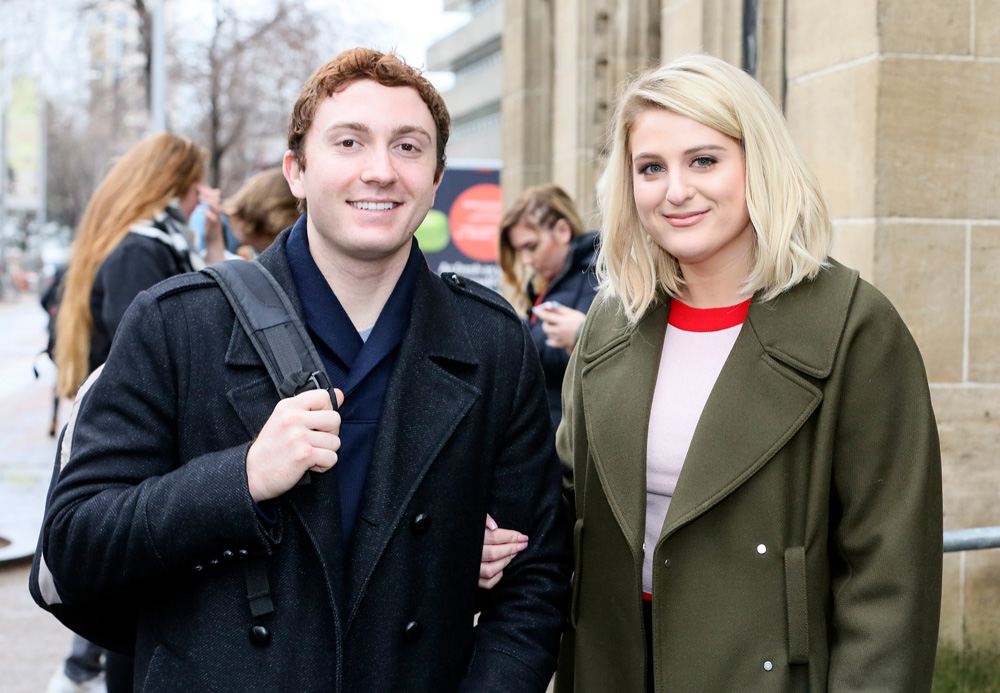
684,317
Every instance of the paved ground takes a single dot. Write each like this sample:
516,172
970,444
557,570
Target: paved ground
32,643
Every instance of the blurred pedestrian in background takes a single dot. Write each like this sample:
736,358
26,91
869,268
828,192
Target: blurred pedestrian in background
50,300
133,234
547,273
547,263
260,210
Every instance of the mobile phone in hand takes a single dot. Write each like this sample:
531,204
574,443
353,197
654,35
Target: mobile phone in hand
548,305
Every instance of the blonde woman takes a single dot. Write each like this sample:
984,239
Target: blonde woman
547,266
751,458
133,234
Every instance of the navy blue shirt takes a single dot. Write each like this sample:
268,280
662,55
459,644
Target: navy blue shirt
361,369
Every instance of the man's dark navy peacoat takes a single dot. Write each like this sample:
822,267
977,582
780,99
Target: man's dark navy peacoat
152,506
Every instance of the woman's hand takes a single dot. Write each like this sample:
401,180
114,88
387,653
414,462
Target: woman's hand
215,242
560,325
499,548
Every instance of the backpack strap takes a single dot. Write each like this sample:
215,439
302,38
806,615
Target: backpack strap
270,321
275,329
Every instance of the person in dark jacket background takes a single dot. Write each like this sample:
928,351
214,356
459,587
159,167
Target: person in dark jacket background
547,264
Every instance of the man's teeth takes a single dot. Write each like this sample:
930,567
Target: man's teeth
373,206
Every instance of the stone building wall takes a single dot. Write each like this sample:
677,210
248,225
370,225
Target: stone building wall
896,106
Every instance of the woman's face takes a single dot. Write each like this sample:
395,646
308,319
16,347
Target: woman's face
689,185
188,200
544,250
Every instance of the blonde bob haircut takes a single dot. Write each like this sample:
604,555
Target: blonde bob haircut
791,223
540,207
139,185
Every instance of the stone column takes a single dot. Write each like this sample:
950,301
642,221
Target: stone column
529,40
702,26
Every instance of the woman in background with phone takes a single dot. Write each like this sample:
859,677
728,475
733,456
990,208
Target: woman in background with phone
547,263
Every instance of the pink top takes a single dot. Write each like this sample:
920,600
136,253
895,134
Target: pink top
696,346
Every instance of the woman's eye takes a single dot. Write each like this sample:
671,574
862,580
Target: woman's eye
703,161
651,169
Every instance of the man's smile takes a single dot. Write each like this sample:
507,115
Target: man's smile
373,206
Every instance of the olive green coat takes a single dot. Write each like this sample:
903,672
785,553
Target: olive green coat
802,548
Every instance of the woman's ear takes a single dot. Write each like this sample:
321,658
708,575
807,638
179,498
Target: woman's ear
563,231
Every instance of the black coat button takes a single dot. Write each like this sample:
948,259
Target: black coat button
260,635
457,278
227,554
412,631
198,568
421,523
242,553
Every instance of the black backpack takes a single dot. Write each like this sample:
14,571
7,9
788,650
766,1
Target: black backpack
280,338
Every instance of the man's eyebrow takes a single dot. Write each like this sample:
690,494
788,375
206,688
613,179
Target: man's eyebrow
365,129
356,127
412,130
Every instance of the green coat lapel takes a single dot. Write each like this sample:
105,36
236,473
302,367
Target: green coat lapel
754,408
618,381
762,396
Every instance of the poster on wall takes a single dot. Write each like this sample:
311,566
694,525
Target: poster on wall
459,234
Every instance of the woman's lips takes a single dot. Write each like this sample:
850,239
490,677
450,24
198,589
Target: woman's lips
683,219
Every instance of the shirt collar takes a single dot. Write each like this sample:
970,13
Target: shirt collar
325,316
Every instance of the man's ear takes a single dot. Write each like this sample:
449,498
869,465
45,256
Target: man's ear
293,174
437,184
563,231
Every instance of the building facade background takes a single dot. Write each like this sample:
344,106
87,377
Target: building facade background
894,104
473,53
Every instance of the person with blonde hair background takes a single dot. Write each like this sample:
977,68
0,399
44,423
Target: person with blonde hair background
750,454
547,273
133,234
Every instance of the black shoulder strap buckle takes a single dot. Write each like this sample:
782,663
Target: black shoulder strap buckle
301,381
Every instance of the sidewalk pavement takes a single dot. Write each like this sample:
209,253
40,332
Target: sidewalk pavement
32,643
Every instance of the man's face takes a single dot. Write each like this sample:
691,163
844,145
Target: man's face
370,157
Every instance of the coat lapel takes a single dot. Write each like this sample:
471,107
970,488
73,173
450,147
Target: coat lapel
754,408
618,381
424,404
762,396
